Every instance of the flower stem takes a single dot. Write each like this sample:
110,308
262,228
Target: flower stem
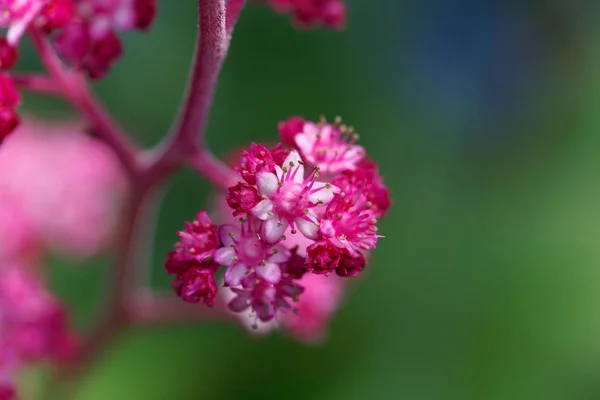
74,88
37,83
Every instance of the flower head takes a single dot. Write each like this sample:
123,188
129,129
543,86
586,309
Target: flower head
331,147
349,223
246,252
290,199
274,276
308,13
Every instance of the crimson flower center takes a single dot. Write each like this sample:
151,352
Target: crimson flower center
291,200
251,251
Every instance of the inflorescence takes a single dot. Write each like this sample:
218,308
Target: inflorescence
317,184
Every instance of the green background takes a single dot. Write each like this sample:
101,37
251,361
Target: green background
486,284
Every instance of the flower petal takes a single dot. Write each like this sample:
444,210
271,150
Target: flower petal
267,183
263,210
274,230
235,274
305,143
308,227
322,192
228,234
269,272
279,254
225,255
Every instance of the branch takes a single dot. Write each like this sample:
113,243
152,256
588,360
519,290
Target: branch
75,89
37,83
213,44
206,164
159,309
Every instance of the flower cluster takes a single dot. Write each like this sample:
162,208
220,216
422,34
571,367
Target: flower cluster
33,325
307,13
68,207
84,33
319,186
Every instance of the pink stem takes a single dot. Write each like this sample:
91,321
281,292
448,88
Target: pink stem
153,309
206,164
187,141
149,169
75,89
212,48
37,83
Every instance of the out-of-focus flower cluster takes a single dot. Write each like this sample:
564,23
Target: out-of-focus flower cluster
306,212
59,191
83,32
308,13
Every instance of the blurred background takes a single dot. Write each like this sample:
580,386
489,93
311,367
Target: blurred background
484,118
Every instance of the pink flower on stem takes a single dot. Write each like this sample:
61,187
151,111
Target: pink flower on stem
308,13
331,147
290,199
245,252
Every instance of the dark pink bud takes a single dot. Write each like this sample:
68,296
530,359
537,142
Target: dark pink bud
242,198
145,11
9,96
349,265
323,257
9,120
289,129
258,158
334,14
197,285
73,42
177,264
56,14
8,55
296,266
279,153
104,53
7,392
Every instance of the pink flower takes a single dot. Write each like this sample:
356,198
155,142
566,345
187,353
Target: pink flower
308,13
257,159
349,223
242,198
329,147
199,240
17,15
196,285
366,178
68,185
289,199
33,325
245,252
289,129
